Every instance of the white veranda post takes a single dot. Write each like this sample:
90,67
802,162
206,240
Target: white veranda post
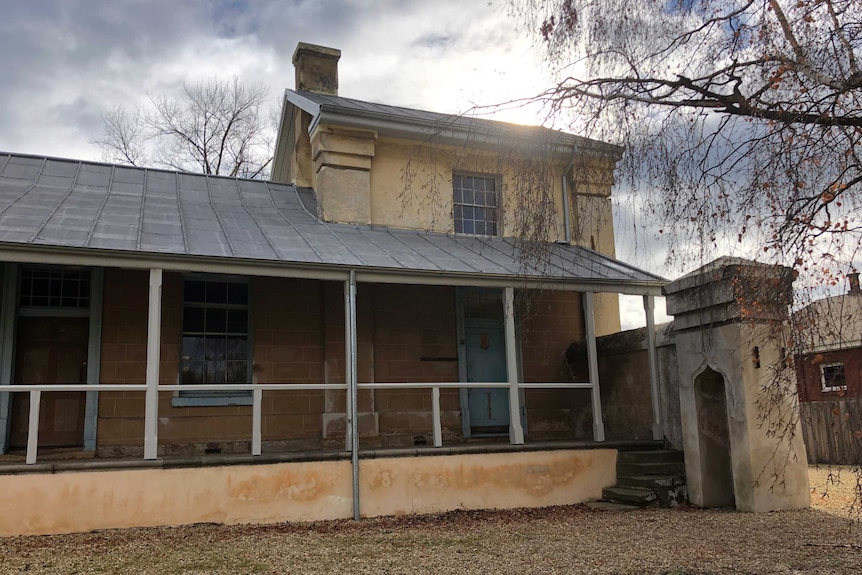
592,358
649,309
154,324
516,431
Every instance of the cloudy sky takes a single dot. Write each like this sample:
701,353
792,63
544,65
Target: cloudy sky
65,61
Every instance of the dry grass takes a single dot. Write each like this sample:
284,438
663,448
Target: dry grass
836,490
553,540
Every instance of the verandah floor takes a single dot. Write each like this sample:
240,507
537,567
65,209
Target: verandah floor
61,460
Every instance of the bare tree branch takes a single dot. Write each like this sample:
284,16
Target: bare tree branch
214,128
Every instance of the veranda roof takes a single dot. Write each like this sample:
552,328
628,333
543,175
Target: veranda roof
50,205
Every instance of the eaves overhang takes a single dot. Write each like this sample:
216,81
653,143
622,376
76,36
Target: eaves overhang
185,263
447,129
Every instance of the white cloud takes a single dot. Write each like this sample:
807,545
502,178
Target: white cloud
67,60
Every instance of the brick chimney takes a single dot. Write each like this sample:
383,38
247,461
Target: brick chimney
854,283
316,68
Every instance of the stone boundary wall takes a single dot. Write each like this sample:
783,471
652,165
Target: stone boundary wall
624,381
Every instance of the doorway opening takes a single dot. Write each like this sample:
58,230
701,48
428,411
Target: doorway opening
51,345
714,440
483,359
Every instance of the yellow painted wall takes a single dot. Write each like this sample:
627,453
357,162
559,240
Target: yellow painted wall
408,184
81,501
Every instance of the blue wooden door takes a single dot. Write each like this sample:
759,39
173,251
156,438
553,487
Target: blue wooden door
486,361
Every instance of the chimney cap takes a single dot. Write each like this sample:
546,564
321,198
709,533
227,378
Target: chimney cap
304,48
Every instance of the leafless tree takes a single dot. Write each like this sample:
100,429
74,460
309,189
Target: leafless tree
214,127
741,120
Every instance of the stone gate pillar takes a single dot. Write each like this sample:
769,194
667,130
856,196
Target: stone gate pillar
740,416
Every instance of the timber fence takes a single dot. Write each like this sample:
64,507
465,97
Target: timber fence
833,431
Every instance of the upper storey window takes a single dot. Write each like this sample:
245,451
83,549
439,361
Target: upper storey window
476,204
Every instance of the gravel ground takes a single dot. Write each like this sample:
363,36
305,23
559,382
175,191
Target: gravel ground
552,540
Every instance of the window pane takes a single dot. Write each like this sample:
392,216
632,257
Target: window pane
237,294
237,372
237,321
216,292
236,348
193,348
193,319
195,291
469,227
216,320
214,348
193,372
215,372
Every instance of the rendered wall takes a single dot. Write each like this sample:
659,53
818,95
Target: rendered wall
71,502
410,186
766,475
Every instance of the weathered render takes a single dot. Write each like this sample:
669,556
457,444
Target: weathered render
731,320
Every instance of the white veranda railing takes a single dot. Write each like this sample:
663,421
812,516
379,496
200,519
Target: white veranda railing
257,389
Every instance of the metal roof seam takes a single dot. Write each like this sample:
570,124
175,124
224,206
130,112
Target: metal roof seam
143,205
574,261
402,242
427,239
327,227
291,224
462,241
27,191
315,217
101,209
363,229
218,217
6,163
57,207
183,230
623,264
254,219
513,243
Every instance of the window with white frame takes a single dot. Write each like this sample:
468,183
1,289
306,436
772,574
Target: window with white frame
832,377
215,345
476,203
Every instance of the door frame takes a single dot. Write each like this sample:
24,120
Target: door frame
462,365
11,311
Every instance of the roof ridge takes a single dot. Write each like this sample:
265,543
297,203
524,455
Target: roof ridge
47,158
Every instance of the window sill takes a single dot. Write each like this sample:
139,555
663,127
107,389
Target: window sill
213,401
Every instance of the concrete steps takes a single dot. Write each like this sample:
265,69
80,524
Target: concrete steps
646,478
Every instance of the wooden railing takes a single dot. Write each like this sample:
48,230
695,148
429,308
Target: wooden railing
257,389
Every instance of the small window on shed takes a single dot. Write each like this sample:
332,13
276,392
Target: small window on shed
832,377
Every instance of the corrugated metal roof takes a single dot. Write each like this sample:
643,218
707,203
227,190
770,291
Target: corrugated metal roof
75,204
